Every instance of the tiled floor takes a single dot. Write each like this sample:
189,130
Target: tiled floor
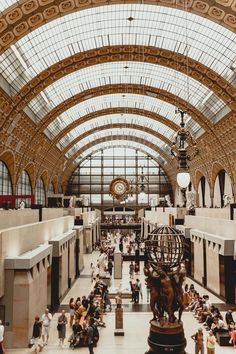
136,325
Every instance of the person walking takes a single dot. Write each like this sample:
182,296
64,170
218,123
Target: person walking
46,322
2,351
211,342
198,339
131,270
72,310
61,327
36,336
90,334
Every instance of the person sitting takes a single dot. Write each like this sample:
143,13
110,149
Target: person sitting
229,317
76,336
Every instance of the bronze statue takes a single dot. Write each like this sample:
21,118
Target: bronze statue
165,273
166,293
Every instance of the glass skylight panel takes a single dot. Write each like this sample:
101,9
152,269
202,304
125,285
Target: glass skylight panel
128,72
116,132
4,4
119,143
148,103
143,121
209,43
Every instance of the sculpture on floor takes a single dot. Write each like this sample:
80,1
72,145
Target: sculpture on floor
190,202
167,200
102,263
22,205
227,200
165,272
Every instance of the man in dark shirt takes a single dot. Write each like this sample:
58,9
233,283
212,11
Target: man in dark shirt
85,302
229,317
90,336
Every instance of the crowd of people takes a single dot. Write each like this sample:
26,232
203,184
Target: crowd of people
209,317
85,315
113,220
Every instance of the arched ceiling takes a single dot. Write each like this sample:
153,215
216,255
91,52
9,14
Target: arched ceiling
130,120
136,73
19,20
68,60
161,142
113,115
119,144
106,141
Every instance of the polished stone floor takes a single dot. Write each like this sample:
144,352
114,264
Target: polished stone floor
136,324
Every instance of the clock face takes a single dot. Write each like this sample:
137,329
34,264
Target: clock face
119,188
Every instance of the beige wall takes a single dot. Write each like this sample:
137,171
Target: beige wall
18,240
198,260
215,226
161,216
29,300
223,213
213,274
63,283
72,259
52,213
81,254
11,218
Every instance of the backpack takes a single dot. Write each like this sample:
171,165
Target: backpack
95,334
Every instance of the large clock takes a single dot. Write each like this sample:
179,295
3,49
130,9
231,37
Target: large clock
119,188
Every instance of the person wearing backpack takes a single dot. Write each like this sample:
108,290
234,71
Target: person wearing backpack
93,335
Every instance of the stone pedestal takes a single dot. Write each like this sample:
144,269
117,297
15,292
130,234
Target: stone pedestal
117,265
119,331
166,338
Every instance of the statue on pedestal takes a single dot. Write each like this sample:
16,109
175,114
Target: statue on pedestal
190,202
22,205
118,299
165,272
227,200
102,263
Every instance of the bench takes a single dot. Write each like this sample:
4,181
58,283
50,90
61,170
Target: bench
223,339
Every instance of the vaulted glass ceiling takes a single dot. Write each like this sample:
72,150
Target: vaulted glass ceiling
208,42
126,118
131,73
4,4
148,103
119,143
116,132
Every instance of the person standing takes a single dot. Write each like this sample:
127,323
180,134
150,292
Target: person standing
36,335
1,338
198,339
90,335
46,322
109,267
131,270
61,327
136,291
211,342
72,310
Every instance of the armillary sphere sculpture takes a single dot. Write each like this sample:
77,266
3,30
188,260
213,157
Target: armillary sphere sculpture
165,272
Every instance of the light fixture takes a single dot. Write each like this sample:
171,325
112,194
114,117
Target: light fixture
183,141
141,183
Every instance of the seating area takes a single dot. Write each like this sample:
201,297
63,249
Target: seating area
210,317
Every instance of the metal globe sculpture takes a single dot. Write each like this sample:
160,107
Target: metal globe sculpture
164,247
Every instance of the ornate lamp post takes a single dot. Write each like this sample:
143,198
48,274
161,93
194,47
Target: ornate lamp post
183,141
